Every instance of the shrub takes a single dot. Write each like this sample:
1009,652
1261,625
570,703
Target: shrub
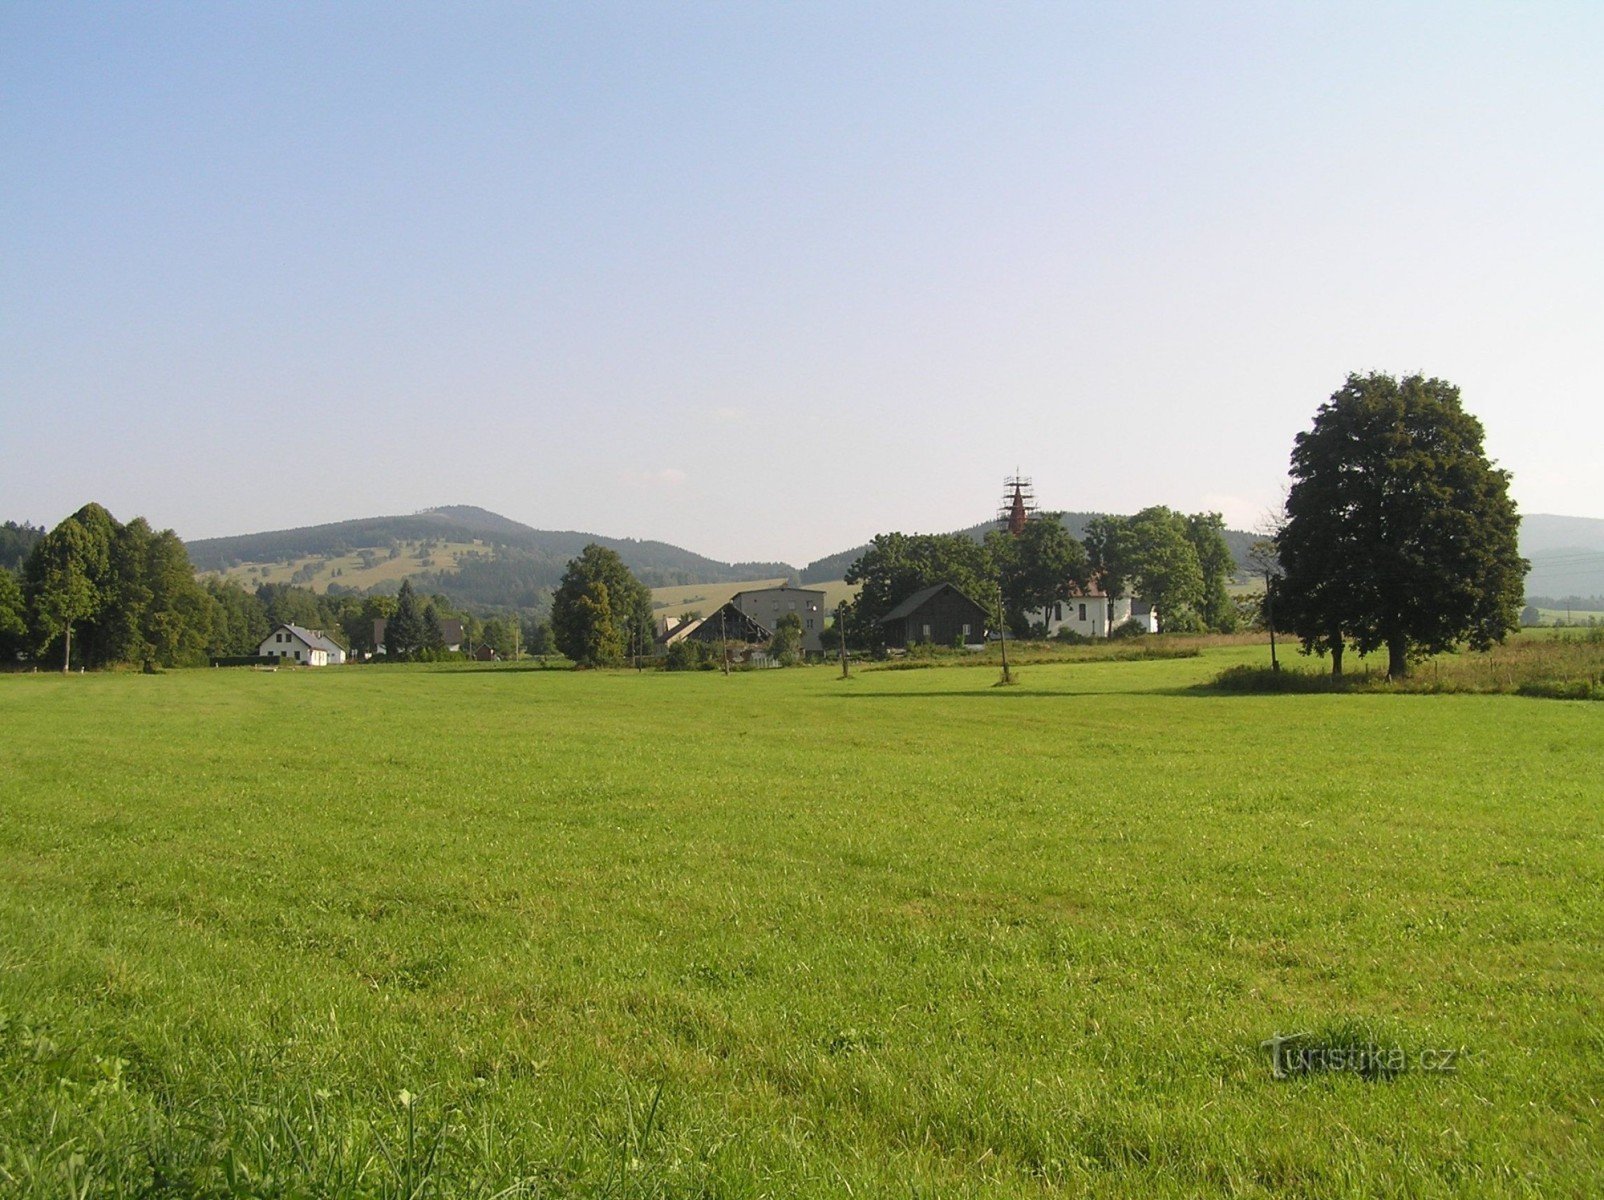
1071,637
1130,629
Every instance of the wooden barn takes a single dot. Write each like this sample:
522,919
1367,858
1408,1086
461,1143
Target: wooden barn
940,615
725,624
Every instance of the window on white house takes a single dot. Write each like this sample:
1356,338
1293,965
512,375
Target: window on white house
1082,612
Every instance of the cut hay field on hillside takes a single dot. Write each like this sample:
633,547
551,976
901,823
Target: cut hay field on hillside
708,597
357,570
499,932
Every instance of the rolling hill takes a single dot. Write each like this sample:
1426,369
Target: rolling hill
470,554
1566,553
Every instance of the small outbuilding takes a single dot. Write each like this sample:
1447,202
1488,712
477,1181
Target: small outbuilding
939,615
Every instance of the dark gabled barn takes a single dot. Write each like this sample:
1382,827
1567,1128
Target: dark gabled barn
940,615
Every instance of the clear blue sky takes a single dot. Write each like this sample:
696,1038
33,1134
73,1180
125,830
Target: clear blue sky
763,280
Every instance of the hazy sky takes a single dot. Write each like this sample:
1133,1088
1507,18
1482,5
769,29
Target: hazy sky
762,280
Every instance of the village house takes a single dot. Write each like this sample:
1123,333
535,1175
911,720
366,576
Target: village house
768,605
309,647
1095,615
939,615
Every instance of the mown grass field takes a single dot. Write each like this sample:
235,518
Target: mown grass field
498,932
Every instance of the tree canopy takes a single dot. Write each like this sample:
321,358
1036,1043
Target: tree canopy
600,609
896,565
1400,533
1042,565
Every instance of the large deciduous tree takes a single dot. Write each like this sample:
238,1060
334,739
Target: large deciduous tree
1162,562
1042,565
600,609
896,565
1399,532
66,576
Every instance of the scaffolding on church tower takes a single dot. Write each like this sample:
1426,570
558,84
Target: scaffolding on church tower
1018,504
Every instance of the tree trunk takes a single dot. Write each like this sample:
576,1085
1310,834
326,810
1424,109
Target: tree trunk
1336,657
66,658
1397,657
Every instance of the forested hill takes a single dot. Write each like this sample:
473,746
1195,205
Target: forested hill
1566,553
834,566
516,555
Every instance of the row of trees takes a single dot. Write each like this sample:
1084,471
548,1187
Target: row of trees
94,592
1181,564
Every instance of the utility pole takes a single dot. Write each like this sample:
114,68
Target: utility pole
1002,633
1269,616
841,628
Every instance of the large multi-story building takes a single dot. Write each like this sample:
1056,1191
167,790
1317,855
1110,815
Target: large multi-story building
767,605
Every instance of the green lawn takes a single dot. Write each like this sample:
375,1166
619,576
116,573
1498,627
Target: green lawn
500,932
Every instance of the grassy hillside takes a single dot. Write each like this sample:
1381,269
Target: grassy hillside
524,560
355,570
556,933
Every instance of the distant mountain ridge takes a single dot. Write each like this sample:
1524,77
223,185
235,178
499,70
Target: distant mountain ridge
1567,553
540,555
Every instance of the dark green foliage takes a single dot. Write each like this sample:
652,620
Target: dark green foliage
688,654
1043,564
896,565
787,645
13,618
537,638
1400,534
100,592
600,610
1206,532
404,632
240,621
434,640
1128,629
1163,563
16,541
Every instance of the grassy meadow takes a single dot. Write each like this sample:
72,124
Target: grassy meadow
494,932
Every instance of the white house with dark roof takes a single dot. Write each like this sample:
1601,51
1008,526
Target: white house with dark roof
309,647
1093,614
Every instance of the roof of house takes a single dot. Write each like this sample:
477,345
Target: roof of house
914,602
779,587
